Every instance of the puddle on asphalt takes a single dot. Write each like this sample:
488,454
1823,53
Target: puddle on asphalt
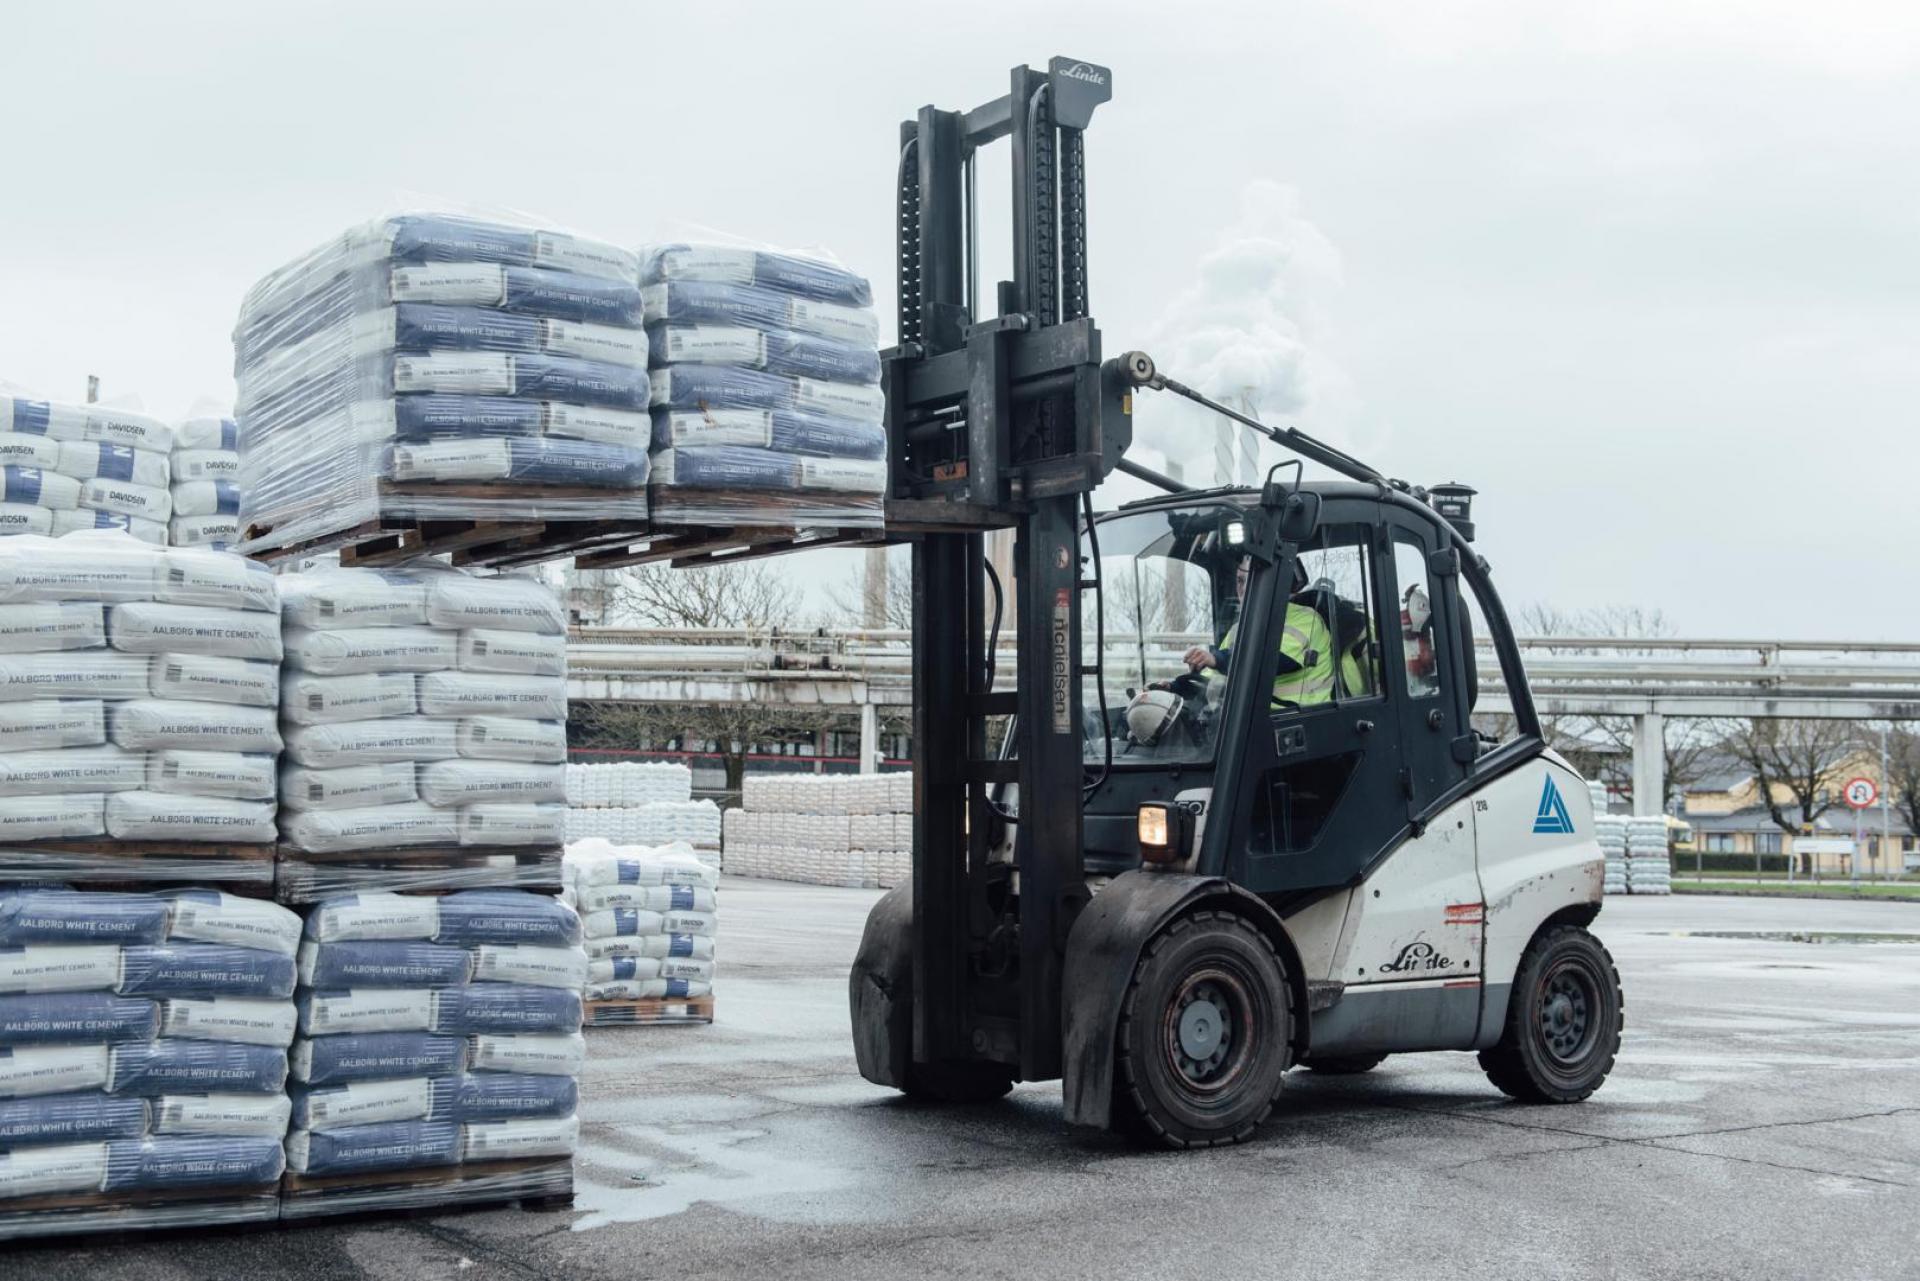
1799,936
732,1168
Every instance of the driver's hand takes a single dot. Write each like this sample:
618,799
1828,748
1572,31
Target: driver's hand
1200,657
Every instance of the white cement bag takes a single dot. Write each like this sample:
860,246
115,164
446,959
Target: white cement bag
196,498
157,816
152,532
353,598
240,776
93,673
518,653
22,518
59,968
212,432
308,699
352,651
63,1167
58,625
204,678
88,459
229,1018
330,831
203,531
645,989
92,567
510,738
150,628
651,946
192,576
124,497
28,1070
375,916
350,787
71,769
52,722
368,1009
509,604
504,824
540,1055
562,967
262,1116
395,738
465,782
653,898
153,723
211,916
45,489
52,818
480,694
205,464
521,1137
24,449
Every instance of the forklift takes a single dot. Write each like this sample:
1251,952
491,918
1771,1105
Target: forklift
1252,827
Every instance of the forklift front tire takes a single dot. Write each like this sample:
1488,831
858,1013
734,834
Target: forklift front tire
1563,1020
1204,1033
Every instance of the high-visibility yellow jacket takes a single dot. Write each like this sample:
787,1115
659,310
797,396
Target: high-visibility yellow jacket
1305,678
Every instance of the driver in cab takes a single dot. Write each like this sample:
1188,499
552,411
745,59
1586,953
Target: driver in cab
1305,675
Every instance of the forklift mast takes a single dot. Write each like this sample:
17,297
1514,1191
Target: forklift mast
1003,422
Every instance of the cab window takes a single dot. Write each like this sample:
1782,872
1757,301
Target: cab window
1417,656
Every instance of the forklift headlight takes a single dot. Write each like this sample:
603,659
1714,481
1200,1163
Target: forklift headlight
1236,533
1166,830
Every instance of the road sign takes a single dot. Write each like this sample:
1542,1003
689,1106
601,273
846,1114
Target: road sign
1860,793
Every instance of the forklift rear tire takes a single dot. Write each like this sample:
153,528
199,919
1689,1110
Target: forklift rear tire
1563,1020
1204,1033
1343,1064
957,1082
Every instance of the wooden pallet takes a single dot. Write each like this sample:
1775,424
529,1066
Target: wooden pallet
102,862
114,1212
536,1182
301,876
698,546
669,1011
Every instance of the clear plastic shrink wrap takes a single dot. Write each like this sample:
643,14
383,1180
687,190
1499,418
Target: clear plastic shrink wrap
766,395
436,1032
65,468
143,1050
421,707
649,916
138,687
481,370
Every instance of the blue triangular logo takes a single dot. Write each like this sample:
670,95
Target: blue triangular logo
1552,818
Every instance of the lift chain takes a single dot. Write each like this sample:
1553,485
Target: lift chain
1073,222
911,329
1042,189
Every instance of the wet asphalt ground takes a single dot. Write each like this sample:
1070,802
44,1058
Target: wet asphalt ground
1764,1121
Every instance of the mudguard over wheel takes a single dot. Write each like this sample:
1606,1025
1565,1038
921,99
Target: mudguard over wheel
1203,1034
1343,1064
1563,1020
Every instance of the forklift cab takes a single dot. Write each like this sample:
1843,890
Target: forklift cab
1286,786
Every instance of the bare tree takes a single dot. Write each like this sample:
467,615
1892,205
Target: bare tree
737,728
1797,757
848,600
748,594
1902,782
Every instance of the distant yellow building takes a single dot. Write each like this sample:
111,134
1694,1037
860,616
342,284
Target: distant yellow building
1728,816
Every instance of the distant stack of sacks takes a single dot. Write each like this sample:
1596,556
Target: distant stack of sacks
143,1043
1610,830
70,467
829,829
639,803
436,1032
206,483
766,397
423,706
649,915
628,784
442,352
137,691
1649,861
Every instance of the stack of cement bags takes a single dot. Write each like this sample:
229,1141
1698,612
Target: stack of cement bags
766,399
649,915
697,823
1649,861
206,483
1610,830
70,467
143,1049
475,364
436,1032
854,830
628,784
423,707
137,691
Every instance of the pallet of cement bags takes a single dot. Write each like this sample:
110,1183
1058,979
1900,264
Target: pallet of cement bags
648,915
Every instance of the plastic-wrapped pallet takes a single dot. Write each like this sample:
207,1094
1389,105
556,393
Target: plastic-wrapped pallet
827,829
434,1033
423,707
697,823
649,915
137,701
143,1054
71,467
206,483
628,784
1610,831
1649,862
439,366
766,398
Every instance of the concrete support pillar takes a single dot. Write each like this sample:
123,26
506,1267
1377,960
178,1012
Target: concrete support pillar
1649,762
869,739
874,605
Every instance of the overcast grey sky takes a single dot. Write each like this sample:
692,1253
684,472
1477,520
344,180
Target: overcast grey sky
1646,272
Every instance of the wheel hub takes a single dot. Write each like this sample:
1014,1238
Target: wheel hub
1202,1026
1204,1030
1566,1015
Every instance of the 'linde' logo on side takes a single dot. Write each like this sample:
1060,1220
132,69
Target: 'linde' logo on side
1081,71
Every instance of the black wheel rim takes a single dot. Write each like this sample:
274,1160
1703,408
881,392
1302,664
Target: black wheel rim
1209,1030
1569,1012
